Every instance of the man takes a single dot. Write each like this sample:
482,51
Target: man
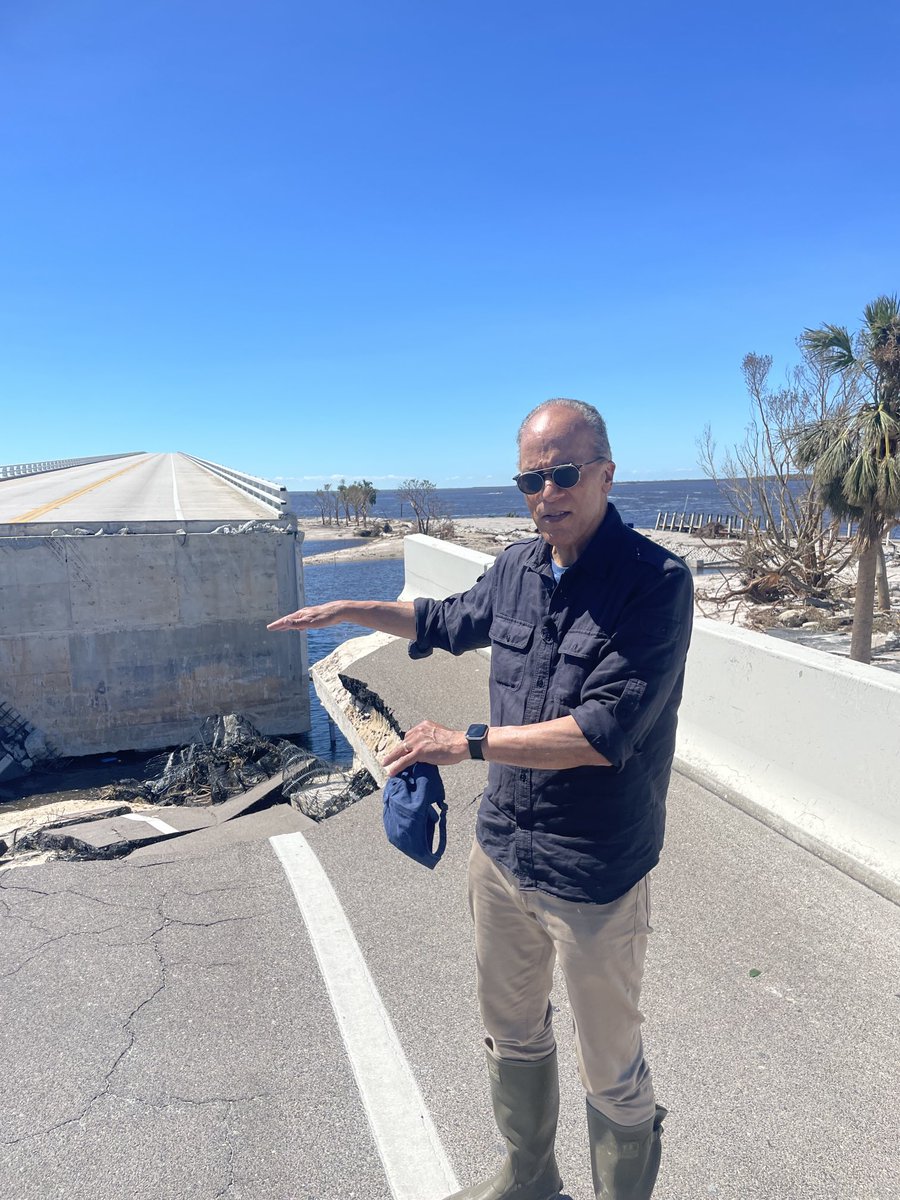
589,626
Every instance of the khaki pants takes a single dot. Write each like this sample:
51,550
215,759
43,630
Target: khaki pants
601,948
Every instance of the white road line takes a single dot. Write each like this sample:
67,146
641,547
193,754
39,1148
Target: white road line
154,821
179,515
408,1143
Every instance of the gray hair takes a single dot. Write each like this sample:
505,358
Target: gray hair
588,414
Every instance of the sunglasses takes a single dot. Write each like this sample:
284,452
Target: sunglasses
566,475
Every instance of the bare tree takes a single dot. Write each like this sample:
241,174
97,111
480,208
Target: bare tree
343,500
791,543
326,502
421,496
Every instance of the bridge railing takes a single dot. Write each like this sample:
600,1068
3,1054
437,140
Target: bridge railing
17,470
271,495
733,526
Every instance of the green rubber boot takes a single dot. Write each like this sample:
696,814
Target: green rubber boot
526,1106
624,1158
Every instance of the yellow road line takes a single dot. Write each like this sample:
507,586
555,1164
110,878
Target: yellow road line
45,508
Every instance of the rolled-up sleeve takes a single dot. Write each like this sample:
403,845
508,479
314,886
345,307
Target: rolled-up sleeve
456,624
624,696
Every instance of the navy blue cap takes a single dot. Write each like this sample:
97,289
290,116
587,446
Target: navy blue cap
414,809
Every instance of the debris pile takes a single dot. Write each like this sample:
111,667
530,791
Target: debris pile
231,772
232,757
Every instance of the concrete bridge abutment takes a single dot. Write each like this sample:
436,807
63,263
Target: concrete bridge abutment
113,640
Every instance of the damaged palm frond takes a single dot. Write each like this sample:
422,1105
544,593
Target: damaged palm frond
832,345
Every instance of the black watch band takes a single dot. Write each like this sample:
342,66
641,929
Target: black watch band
475,736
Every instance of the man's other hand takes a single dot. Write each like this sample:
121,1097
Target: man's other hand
429,743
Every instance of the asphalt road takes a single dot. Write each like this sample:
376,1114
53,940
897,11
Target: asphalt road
144,487
166,1030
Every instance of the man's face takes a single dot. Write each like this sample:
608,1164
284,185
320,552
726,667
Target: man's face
567,518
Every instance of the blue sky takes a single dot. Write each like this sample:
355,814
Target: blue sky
364,238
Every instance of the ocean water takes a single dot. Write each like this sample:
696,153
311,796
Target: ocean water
638,503
372,579
325,545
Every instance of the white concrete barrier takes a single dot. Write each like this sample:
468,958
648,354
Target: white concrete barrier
438,569
806,741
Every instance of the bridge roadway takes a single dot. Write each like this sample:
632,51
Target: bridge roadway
143,487
168,1033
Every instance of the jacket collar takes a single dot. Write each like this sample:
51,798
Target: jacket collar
606,545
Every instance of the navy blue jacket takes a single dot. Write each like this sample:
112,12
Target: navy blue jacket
607,645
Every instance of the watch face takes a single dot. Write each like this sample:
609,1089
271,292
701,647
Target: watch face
476,731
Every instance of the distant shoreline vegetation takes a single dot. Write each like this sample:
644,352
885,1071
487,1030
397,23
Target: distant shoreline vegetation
638,501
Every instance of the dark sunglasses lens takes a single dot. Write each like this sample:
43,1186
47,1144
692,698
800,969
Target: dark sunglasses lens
530,482
566,476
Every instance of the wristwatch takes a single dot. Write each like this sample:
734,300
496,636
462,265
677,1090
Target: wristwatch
475,736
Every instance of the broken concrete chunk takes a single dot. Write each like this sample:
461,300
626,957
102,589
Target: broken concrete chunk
83,817
320,790
233,730
36,746
116,832
116,836
792,618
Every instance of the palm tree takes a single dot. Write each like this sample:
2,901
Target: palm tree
855,454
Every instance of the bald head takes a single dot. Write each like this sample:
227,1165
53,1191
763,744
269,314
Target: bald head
578,410
562,433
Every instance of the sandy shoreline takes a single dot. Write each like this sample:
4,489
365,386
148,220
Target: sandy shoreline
486,534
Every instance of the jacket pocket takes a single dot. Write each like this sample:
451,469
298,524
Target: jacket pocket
579,652
510,640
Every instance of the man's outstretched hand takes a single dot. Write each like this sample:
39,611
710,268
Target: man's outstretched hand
429,743
317,616
397,617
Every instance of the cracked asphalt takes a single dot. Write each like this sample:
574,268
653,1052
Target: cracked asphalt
166,1033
